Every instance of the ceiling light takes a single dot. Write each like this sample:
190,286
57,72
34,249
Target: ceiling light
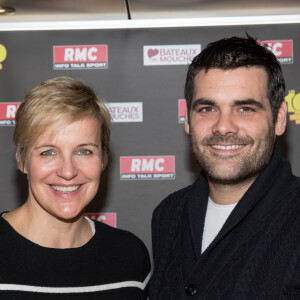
6,11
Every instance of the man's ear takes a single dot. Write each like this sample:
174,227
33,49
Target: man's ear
186,123
20,164
280,123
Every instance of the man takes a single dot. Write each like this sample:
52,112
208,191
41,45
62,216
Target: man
234,233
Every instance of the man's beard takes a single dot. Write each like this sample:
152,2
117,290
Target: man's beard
248,165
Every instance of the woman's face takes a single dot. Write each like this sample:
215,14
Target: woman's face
64,168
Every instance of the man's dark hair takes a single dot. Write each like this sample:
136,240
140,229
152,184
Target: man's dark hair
235,52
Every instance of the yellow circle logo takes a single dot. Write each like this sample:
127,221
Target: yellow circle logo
3,53
296,102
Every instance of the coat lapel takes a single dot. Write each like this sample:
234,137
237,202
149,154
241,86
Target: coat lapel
192,225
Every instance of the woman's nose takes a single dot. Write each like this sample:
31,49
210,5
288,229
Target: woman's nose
67,169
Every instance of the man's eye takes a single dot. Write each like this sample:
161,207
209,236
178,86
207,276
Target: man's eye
246,109
47,153
84,152
206,109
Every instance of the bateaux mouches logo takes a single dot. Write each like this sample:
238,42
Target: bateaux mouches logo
107,218
80,57
293,104
147,167
181,110
282,49
3,54
170,54
8,113
126,111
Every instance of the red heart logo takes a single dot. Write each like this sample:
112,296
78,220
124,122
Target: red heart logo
152,52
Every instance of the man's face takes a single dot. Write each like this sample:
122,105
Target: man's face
231,126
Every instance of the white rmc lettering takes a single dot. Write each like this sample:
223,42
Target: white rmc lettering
100,218
80,55
90,53
275,48
157,162
69,52
11,111
138,165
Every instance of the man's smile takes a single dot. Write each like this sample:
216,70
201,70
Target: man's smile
229,147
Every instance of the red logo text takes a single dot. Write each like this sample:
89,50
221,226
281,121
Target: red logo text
8,112
282,49
181,110
147,167
80,57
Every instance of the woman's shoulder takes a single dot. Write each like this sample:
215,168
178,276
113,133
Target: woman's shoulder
119,237
122,247
5,227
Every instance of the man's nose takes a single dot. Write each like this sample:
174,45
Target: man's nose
225,124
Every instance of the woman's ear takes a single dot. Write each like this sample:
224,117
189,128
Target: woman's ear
20,164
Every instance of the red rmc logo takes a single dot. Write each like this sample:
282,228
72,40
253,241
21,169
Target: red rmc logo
77,54
147,164
144,165
8,110
283,48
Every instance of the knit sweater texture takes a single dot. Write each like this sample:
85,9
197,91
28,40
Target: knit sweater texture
113,265
256,254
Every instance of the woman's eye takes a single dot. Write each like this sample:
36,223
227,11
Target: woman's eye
47,153
84,152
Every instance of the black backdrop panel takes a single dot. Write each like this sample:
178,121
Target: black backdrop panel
157,88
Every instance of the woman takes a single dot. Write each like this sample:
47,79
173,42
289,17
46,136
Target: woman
49,249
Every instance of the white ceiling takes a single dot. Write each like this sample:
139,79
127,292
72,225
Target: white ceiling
115,10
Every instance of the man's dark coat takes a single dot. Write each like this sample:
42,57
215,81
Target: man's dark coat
256,255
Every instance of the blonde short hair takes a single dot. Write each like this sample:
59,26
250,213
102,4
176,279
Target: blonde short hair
57,102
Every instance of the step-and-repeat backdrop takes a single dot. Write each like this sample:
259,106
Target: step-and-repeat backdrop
141,74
